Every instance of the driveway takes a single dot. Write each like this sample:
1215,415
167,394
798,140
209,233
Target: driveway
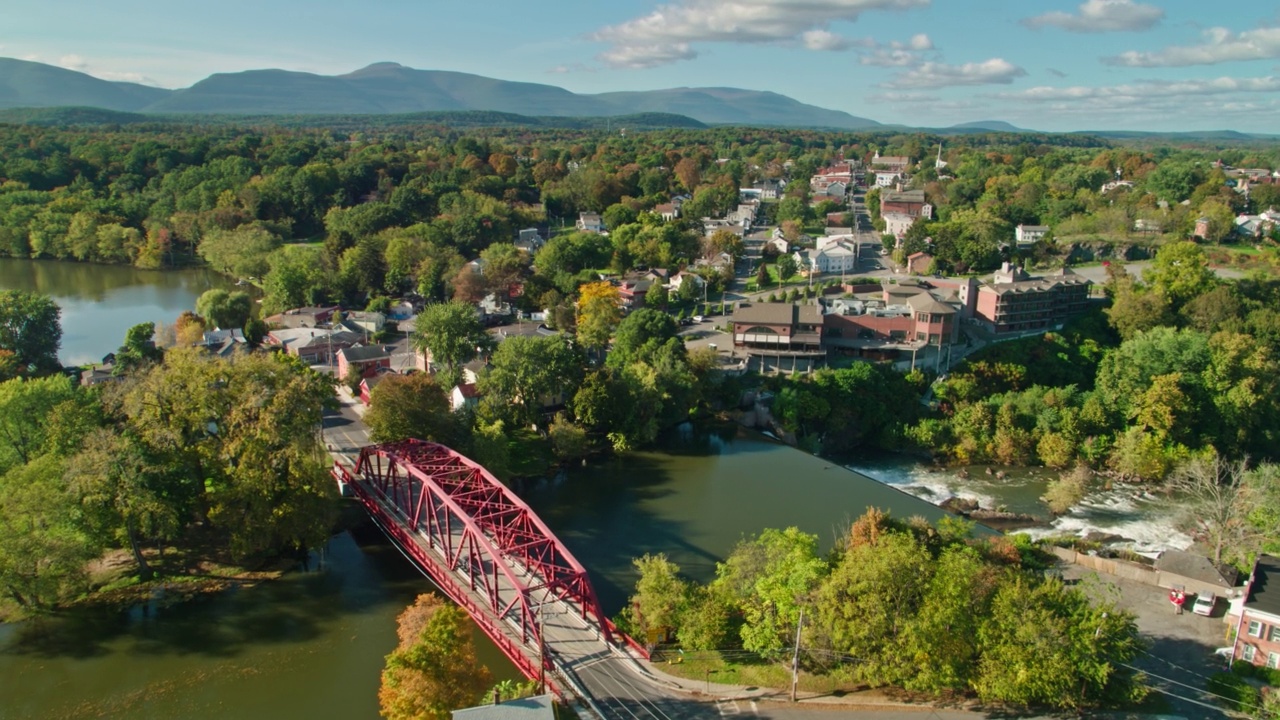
1180,657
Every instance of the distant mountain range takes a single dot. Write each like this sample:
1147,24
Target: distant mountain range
389,88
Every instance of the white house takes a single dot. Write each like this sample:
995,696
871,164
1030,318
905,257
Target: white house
464,396
886,178
833,258
897,224
682,277
530,240
1030,234
590,222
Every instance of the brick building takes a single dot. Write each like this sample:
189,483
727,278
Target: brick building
781,336
1017,302
1255,616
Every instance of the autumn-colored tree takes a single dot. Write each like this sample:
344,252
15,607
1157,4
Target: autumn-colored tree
189,328
434,670
688,173
598,313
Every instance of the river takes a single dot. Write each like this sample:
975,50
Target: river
100,302
312,644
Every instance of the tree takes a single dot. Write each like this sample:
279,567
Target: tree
1044,644
1217,505
410,406
241,252
43,544
138,349
434,669
770,578
656,296
123,493
31,329
599,311
238,439
864,609
1180,272
527,373
786,267
27,409
659,599
224,309
452,333
639,335
762,276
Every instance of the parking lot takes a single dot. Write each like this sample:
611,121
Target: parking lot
1180,657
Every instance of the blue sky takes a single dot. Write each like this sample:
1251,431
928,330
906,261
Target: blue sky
1042,64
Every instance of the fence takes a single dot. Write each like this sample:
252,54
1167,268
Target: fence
1137,572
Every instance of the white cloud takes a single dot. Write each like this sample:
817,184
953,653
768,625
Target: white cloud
1140,91
1221,45
647,56
1097,16
80,64
824,40
665,35
73,62
895,53
996,71
904,97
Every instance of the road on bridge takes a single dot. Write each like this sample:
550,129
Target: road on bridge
615,683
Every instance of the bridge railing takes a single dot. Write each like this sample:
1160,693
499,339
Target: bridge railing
441,577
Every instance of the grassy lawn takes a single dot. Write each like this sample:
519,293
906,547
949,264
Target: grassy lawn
733,669
772,269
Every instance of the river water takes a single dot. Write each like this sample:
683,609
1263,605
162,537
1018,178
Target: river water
100,302
312,644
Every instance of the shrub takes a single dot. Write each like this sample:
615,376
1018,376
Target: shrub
1236,692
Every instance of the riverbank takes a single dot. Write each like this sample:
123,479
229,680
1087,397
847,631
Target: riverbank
1010,499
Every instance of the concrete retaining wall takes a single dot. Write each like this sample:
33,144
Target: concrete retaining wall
1138,573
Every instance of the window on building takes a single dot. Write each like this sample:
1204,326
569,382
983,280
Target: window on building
1275,634
1273,660
1255,629
1249,652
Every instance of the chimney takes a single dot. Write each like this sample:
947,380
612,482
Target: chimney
497,695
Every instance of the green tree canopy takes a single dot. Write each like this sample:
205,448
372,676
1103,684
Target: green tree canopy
31,329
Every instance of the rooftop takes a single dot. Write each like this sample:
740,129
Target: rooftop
1261,595
538,707
364,353
778,314
1196,567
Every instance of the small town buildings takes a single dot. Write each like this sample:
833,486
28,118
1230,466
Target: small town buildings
363,359
887,178
1202,227
839,175
590,222
464,395
905,317
538,707
530,240
779,336
98,375
306,317
911,203
919,263
830,257
1026,235
632,291
897,224
224,343
314,346
1017,302
363,321
668,211
1255,616
678,281
896,163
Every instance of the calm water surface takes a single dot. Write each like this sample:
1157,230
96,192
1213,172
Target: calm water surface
312,645
100,302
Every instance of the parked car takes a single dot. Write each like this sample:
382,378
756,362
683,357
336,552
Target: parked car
1204,604
698,318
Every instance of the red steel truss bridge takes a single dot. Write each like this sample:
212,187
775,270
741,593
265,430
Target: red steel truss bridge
493,556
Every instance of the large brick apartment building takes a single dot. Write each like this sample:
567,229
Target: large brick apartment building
1016,302
1255,616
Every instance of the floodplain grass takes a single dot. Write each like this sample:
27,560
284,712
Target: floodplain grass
739,667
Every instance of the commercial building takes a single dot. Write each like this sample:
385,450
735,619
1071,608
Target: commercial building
1016,302
779,336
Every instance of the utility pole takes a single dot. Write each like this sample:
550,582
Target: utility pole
795,659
